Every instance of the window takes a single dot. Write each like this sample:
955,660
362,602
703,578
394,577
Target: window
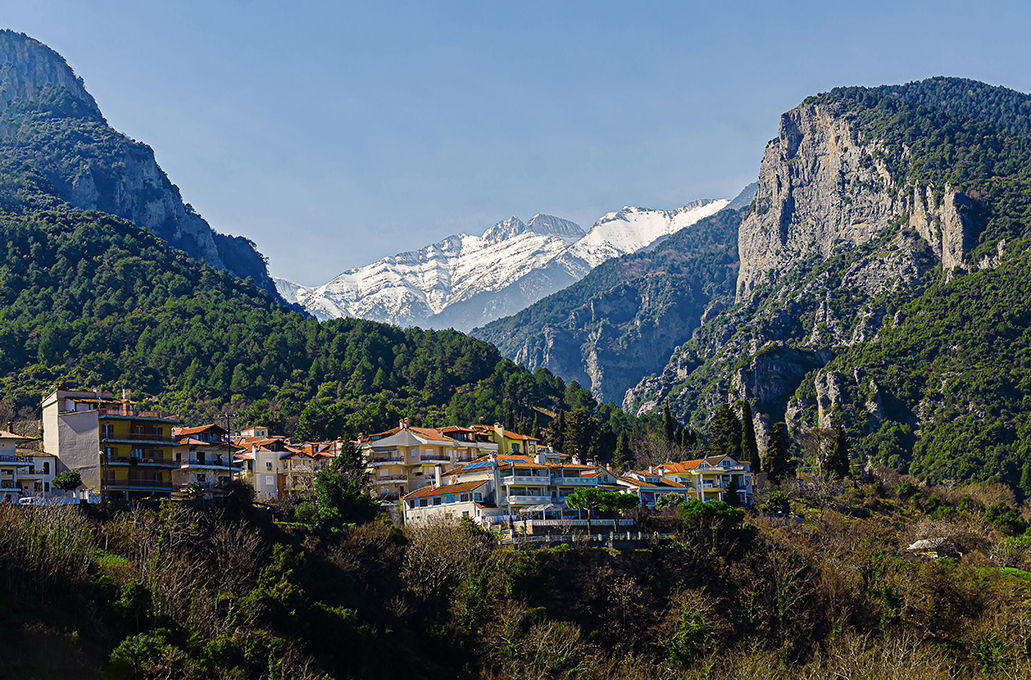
437,500
268,480
108,430
451,499
465,498
179,457
477,496
46,468
268,464
423,502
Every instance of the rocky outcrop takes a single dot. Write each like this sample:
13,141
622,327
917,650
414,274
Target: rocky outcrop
817,190
940,217
771,376
28,68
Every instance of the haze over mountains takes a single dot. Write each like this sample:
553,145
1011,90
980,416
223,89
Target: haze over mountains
466,281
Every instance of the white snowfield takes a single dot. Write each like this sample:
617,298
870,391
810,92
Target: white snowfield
509,267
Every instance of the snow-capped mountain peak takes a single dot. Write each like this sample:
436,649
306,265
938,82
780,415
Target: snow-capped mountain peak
466,281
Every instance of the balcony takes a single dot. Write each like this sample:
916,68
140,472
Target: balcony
141,461
574,481
524,479
390,479
387,461
137,484
434,458
122,412
213,465
526,500
130,437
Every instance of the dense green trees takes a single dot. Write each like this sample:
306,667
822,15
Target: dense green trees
725,433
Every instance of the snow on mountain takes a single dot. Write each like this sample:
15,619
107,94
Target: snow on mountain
630,229
466,281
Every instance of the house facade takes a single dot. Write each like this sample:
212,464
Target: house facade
714,478
24,472
121,452
205,458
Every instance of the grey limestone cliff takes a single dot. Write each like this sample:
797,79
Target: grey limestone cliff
825,256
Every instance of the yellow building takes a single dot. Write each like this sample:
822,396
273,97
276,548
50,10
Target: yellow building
509,442
121,452
713,478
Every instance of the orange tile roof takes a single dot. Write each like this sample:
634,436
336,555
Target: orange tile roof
182,431
445,490
507,433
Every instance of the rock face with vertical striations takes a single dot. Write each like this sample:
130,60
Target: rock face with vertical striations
49,122
845,229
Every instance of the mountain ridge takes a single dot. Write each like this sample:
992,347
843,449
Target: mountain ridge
464,281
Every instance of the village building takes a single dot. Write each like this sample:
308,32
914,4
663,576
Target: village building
120,452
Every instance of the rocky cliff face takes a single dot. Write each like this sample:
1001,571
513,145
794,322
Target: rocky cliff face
44,105
818,190
824,260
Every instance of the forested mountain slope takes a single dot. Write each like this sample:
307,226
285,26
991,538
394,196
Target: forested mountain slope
881,269
624,319
49,122
97,301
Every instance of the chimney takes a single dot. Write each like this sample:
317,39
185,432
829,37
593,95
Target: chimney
540,458
436,475
651,469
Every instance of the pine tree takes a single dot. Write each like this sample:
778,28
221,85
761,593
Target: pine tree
777,462
749,447
667,424
725,433
838,460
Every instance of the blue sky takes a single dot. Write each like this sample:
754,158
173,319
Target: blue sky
335,133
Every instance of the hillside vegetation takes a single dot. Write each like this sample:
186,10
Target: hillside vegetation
178,593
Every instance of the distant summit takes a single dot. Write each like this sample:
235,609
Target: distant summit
467,281
52,125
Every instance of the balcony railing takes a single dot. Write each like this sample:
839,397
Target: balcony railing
137,484
137,437
386,461
525,479
434,458
137,460
526,500
391,478
133,413
574,481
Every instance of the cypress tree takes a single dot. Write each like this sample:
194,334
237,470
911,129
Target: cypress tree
535,430
559,439
621,461
725,433
1025,479
667,423
777,463
838,459
749,447
510,423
